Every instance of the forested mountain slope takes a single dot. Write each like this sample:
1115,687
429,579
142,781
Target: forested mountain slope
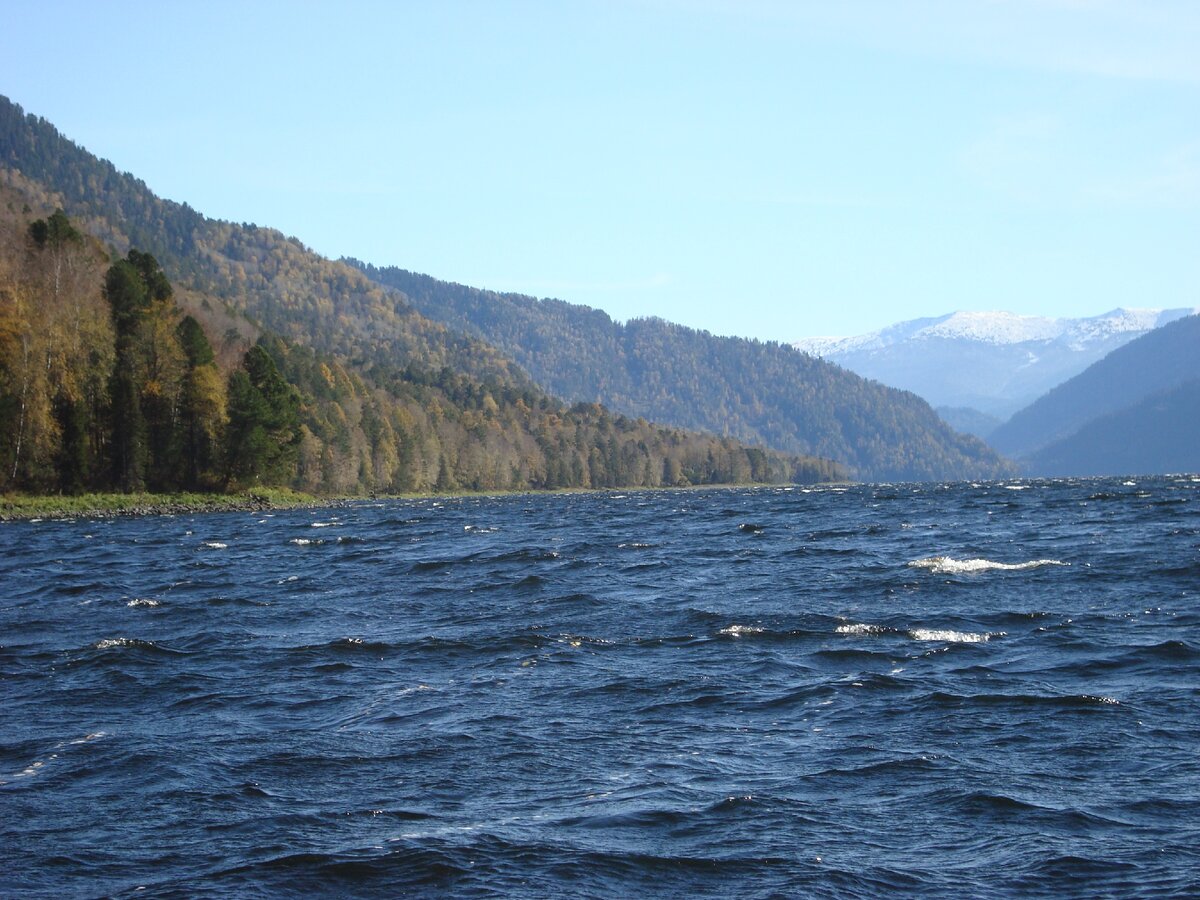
277,282
1158,435
114,371
760,392
1159,360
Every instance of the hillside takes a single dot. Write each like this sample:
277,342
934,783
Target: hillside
1158,435
759,392
274,280
247,359
1157,361
990,362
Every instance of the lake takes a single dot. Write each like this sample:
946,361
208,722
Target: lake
863,691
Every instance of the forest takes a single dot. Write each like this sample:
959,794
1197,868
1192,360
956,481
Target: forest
109,382
757,391
255,279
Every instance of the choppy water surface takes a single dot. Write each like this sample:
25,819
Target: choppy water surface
953,690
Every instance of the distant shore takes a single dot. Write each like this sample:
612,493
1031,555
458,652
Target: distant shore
29,507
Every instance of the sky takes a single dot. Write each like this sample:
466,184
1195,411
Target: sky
767,169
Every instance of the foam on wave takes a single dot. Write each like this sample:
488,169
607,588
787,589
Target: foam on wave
948,565
110,643
862,628
739,630
944,635
953,637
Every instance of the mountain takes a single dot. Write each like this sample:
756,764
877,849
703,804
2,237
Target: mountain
274,280
288,368
991,362
1158,435
968,420
1158,361
764,393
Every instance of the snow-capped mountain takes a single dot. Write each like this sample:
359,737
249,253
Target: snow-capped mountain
993,362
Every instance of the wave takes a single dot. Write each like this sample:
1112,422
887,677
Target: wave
1060,701
945,635
864,628
954,637
110,643
948,565
739,630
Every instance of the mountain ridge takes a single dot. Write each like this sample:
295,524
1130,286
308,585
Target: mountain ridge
810,408
763,392
991,362
1157,361
1157,435
385,399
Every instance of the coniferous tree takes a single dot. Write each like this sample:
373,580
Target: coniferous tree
263,435
145,385
202,405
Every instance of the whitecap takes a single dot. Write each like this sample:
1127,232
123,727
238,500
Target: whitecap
1016,487
862,628
109,643
739,630
141,601
948,565
323,525
953,637
303,542
214,545
88,738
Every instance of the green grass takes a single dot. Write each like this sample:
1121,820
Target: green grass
35,506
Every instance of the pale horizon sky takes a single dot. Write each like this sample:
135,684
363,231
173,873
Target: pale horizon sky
766,169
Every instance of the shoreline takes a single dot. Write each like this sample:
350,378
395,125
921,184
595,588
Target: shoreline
50,507
35,507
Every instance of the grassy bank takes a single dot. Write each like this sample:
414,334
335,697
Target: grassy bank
24,506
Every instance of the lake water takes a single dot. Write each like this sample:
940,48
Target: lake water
933,690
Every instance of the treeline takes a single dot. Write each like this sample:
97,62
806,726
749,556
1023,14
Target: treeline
758,392
106,383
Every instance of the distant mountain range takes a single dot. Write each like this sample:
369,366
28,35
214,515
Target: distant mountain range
1131,412
1159,434
979,368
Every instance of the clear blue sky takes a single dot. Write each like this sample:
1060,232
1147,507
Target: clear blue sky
760,168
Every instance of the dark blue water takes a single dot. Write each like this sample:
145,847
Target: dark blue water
722,693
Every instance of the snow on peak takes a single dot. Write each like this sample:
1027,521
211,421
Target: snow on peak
995,328
1000,328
